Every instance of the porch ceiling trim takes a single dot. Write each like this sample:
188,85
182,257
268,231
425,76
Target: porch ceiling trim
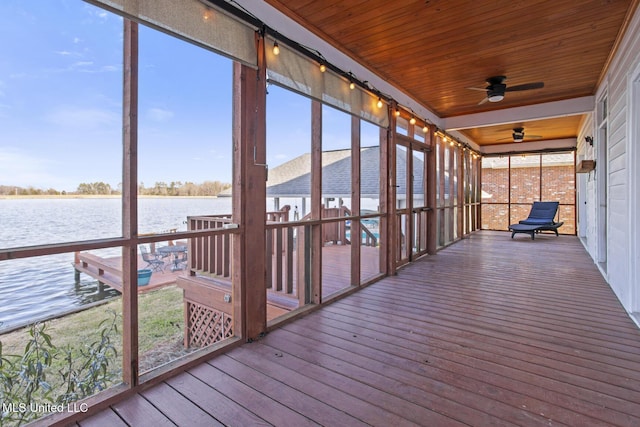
547,110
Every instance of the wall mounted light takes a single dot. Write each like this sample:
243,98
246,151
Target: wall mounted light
589,140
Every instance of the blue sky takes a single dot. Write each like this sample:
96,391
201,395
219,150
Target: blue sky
61,103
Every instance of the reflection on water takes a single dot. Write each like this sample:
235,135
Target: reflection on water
40,287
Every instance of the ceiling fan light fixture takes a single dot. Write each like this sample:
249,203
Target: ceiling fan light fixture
518,134
496,98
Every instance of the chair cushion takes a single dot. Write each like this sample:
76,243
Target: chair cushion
536,221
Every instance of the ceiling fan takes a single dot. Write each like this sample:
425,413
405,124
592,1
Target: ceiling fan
497,87
518,135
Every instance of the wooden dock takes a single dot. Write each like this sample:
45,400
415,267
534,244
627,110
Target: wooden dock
108,271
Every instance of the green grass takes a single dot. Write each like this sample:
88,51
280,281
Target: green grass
160,331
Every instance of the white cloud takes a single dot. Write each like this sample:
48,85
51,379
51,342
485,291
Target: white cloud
109,68
65,53
159,115
82,117
24,170
281,156
81,64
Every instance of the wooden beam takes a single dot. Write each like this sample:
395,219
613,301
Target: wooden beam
547,110
249,192
130,206
432,202
316,202
385,196
390,184
478,190
408,240
462,167
355,200
441,206
450,209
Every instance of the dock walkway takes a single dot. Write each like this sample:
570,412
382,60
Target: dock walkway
108,271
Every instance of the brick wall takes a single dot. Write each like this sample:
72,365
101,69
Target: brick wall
558,183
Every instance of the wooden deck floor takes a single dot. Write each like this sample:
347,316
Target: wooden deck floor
489,332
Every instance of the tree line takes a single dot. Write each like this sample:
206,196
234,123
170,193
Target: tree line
173,188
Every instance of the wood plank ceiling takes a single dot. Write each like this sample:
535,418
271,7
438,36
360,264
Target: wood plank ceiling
435,50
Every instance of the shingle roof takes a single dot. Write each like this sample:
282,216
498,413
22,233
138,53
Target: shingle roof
293,178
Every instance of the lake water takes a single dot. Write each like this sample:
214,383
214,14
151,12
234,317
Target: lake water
37,288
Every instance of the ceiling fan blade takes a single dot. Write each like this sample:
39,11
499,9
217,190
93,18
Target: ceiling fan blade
526,86
483,101
484,89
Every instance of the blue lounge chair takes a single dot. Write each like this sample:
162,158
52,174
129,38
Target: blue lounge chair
541,218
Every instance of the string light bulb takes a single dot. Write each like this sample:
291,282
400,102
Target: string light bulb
412,120
276,48
379,104
397,112
323,68
425,129
352,85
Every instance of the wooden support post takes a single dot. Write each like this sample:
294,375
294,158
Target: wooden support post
478,190
432,223
249,191
451,210
409,236
389,225
386,222
355,200
130,206
441,187
316,202
462,167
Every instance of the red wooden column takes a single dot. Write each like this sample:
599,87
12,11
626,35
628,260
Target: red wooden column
387,193
441,211
462,168
355,200
316,201
130,205
450,208
478,190
388,181
432,224
249,192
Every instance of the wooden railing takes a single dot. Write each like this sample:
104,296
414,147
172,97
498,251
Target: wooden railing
211,255
285,247
285,260
369,239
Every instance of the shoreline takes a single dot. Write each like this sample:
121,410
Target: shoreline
94,196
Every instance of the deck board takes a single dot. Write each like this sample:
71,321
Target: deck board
490,331
172,404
